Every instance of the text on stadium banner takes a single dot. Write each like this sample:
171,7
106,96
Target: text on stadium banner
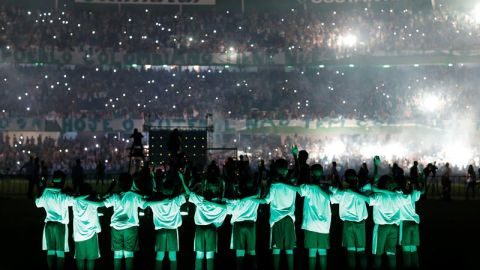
127,124
150,2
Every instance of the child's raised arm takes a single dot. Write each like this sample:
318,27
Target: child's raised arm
187,190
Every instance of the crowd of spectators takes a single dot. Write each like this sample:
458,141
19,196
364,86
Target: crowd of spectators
358,31
112,152
393,94
61,154
396,93
351,151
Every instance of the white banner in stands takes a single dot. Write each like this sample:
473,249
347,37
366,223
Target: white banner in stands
150,2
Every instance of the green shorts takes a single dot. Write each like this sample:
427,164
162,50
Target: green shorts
409,234
205,238
126,239
353,234
283,234
243,235
166,240
88,249
55,236
385,239
317,240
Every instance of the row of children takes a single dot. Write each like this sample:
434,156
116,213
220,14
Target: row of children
394,216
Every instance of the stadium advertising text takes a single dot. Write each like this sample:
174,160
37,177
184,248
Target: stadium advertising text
108,57
126,124
150,2
346,1
169,57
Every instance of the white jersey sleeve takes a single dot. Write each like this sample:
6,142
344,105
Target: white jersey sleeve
111,201
304,191
40,202
195,199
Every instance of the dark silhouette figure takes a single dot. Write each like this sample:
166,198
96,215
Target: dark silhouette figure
100,172
137,146
363,175
334,176
36,173
433,181
302,170
43,175
446,183
77,176
414,174
470,182
29,167
174,142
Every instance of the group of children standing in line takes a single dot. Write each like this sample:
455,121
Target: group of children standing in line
396,221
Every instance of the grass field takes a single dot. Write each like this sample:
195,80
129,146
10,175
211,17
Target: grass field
450,233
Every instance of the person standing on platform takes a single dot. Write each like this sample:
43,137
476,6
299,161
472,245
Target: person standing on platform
137,145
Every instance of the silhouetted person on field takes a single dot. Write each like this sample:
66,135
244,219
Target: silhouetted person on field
470,182
433,180
334,176
446,183
414,174
77,176
29,167
100,172
36,173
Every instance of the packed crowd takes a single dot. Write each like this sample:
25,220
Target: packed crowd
112,153
360,31
397,93
351,151
50,154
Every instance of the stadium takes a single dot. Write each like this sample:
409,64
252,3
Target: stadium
134,131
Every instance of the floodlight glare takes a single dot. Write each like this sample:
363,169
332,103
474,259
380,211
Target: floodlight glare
335,149
348,40
457,154
476,13
430,102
